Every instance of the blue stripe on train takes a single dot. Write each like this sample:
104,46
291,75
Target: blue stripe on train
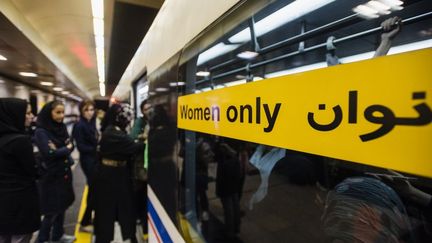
158,223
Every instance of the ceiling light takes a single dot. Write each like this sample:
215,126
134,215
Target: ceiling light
46,83
393,4
58,89
3,58
98,29
381,8
215,51
28,74
175,84
375,8
247,55
65,92
366,11
284,15
152,93
161,89
97,8
203,73
102,89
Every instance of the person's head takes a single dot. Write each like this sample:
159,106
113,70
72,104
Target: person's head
57,109
119,115
51,113
145,109
87,109
15,115
51,118
159,117
28,116
204,151
362,209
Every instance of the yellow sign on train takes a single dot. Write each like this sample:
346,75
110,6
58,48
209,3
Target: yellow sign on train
375,112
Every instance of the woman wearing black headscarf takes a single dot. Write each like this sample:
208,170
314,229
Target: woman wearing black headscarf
55,184
19,207
113,185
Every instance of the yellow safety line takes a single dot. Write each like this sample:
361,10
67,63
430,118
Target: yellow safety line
82,237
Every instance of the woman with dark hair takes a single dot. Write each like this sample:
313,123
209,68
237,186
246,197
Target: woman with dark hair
55,183
86,139
113,189
19,207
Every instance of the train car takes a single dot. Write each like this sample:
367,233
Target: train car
288,121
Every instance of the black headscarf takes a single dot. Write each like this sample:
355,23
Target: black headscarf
45,121
12,115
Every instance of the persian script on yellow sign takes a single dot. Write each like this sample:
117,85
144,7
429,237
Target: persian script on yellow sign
375,112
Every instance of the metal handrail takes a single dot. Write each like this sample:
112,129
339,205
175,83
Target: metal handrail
413,19
295,39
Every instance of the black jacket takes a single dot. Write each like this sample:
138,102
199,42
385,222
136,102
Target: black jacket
19,207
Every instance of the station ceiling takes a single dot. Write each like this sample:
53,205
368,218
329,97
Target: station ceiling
54,38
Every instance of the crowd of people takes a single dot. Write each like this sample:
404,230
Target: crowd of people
36,176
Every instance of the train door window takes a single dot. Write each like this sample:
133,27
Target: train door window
248,191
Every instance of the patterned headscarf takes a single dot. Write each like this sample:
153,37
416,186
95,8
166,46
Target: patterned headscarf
124,115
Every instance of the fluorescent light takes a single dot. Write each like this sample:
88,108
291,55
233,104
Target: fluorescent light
366,12
297,70
202,90
99,41
284,15
98,8
98,26
247,55
161,89
102,89
98,29
65,92
203,73
58,89
46,83
175,84
215,51
380,7
3,58
28,74
393,4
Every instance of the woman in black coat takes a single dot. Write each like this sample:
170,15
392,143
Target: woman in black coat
112,182
55,183
19,200
86,140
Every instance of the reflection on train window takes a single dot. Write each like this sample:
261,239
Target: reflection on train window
247,192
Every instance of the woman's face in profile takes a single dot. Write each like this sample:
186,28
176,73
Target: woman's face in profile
57,113
28,117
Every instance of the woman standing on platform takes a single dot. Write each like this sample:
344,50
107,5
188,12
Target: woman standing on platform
19,200
55,183
86,139
112,183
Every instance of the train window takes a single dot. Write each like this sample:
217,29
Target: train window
236,189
